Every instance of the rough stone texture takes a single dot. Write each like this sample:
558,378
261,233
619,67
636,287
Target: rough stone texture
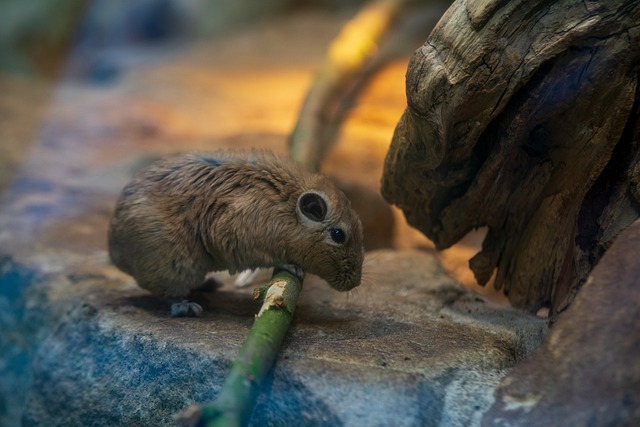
587,372
21,335
416,348
523,116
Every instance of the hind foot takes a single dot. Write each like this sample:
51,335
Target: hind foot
185,308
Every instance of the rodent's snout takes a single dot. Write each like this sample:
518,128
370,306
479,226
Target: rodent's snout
342,270
347,280
347,286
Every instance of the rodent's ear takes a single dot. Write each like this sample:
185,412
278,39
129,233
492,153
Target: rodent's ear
313,206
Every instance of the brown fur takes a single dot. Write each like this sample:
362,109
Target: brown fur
185,216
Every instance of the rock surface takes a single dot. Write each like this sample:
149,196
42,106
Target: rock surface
416,348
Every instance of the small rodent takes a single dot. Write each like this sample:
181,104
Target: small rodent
187,215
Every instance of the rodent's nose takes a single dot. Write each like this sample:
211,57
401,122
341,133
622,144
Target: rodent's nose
351,283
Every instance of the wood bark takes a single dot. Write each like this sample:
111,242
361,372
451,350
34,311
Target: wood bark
523,116
586,373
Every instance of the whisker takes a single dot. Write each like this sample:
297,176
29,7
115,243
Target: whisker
370,281
370,257
372,274
352,293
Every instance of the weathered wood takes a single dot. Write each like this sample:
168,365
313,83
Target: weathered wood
352,58
587,371
524,116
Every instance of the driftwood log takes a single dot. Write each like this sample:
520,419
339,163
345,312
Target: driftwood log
524,116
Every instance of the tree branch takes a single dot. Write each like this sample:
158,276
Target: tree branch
349,57
235,402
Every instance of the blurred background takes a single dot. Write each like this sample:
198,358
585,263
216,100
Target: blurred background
36,37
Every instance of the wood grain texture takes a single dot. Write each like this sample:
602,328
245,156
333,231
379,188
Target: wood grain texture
587,371
523,116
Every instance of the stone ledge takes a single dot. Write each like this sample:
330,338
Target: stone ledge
416,349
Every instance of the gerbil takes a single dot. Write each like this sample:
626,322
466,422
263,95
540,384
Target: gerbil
187,215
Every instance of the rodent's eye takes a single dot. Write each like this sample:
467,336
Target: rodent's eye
337,235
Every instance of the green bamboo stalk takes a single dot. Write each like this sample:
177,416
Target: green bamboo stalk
235,402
